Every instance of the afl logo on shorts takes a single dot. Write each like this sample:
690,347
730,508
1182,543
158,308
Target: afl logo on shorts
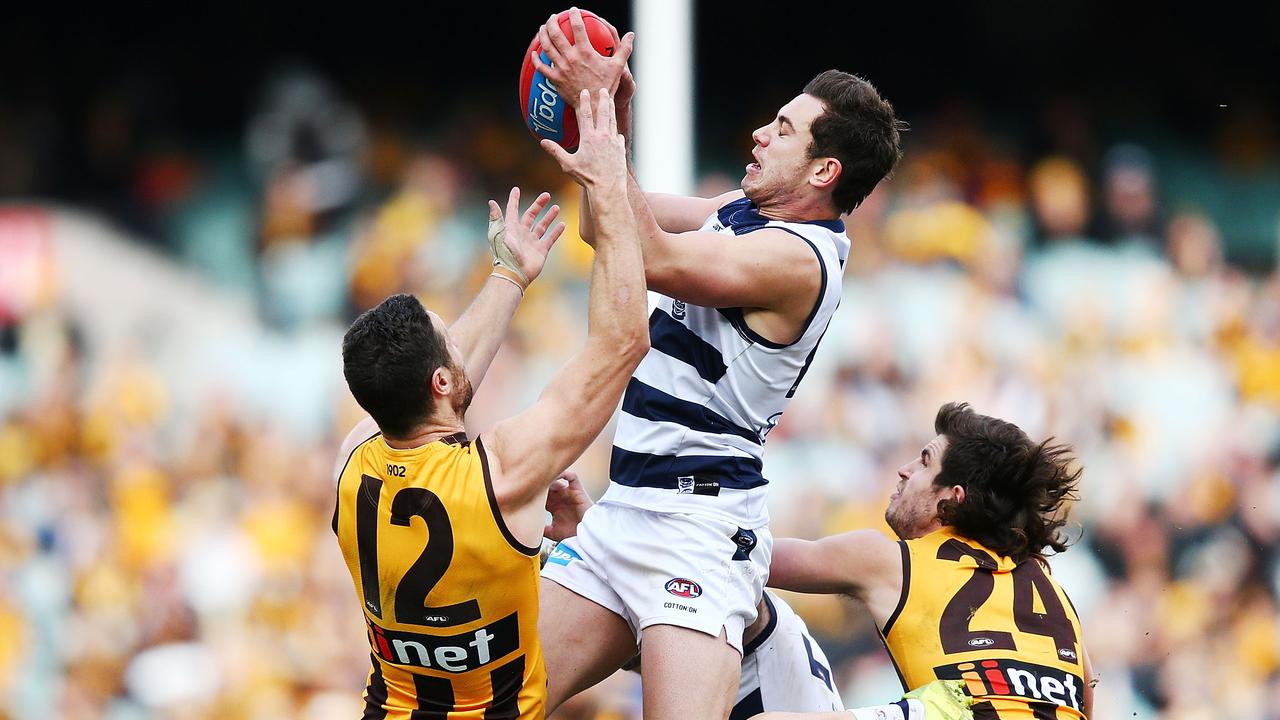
681,587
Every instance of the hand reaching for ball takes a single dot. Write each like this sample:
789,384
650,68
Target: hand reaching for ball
520,242
601,158
575,64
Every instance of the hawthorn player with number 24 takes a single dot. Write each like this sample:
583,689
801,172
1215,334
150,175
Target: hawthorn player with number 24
966,594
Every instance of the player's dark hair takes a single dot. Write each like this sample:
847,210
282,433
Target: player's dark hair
858,129
1014,489
388,356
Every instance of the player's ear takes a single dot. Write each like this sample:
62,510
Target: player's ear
957,494
825,172
442,381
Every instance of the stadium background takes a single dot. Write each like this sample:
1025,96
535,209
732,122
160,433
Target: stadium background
194,201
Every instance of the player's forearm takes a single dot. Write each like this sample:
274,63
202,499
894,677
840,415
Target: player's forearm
804,566
618,305
655,242
624,126
586,225
481,329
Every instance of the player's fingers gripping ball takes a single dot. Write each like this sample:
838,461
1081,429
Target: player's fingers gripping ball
546,113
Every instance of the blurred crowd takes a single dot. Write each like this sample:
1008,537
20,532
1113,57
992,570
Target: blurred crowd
163,557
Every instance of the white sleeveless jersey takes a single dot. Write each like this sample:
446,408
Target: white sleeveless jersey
690,437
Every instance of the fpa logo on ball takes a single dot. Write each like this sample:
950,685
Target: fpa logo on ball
683,587
544,105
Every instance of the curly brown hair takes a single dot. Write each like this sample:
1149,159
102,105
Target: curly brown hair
1015,489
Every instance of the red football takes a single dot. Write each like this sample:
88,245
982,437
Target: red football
546,114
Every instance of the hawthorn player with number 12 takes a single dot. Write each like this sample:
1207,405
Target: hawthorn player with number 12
441,532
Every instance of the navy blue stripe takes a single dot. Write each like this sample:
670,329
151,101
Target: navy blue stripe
673,338
653,404
635,469
820,671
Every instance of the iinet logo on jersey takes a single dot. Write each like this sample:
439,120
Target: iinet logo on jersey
451,653
1010,678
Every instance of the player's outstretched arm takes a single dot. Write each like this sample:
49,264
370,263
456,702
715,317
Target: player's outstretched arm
528,450
520,243
863,563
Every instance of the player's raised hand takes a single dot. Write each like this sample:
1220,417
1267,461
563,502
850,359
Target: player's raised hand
602,153
520,242
567,502
577,66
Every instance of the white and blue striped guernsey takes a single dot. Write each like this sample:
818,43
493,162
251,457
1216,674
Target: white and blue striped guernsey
690,437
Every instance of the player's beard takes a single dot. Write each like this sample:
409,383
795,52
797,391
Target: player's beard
773,187
904,520
895,522
460,400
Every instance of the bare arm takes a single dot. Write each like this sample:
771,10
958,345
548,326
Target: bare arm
862,563
673,213
532,448
769,268
481,328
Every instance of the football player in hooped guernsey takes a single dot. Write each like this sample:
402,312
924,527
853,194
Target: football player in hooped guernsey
441,532
966,594
675,555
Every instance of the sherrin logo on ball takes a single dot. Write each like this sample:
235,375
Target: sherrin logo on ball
683,587
546,114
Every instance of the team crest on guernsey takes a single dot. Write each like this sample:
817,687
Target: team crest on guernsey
677,310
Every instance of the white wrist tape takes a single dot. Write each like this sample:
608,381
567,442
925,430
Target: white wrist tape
502,256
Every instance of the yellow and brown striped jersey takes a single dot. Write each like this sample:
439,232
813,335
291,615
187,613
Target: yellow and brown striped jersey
1007,629
450,597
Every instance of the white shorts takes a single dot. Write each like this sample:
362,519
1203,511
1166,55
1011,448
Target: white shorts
784,670
693,571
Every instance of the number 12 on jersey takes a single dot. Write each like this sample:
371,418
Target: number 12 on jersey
410,591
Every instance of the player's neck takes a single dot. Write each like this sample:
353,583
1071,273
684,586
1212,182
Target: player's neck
426,433
798,209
